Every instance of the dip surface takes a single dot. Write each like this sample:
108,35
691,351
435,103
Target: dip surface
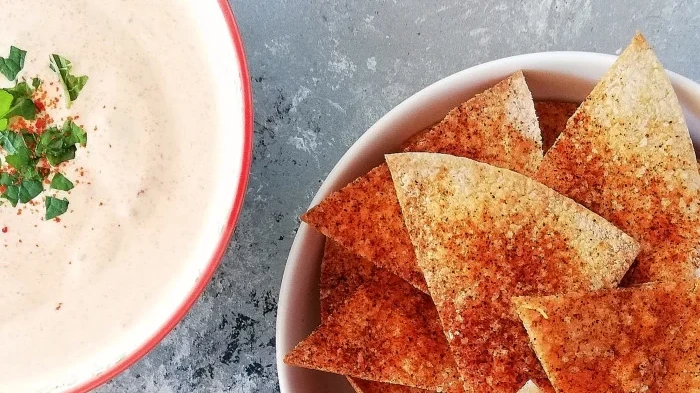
163,113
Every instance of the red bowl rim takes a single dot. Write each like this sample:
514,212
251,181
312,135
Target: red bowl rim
215,260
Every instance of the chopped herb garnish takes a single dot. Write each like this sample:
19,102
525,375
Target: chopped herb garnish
23,191
60,182
60,145
77,134
13,143
14,63
20,104
55,207
71,83
32,144
23,107
12,194
31,172
7,179
29,189
55,145
19,160
5,105
21,90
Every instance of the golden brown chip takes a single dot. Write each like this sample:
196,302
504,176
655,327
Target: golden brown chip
626,154
388,331
639,339
484,234
552,116
342,273
498,126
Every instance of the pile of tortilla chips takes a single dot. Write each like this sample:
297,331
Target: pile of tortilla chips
521,247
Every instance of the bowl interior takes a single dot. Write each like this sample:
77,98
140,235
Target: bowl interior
565,76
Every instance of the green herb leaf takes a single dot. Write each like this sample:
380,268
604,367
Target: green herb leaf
19,155
60,145
29,189
55,207
30,140
21,90
71,83
57,145
36,82
14,63
20,105
76,132
60,182
30,172
66,155
12,194
12,142
20,191
19,160
5,105
7,179
23,107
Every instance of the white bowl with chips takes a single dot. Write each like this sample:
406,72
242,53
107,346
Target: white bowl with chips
560,76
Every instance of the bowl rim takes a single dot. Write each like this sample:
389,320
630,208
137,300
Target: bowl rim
227,231
340,176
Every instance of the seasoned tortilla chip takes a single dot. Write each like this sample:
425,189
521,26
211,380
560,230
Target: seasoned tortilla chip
639,339
498,126
387,331
626,154
484,234
342,273
552,116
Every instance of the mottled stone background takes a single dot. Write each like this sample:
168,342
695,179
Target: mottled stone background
322,73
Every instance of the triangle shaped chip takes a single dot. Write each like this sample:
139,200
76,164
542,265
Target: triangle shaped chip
626,154
483,234
498,126
388,331
638,339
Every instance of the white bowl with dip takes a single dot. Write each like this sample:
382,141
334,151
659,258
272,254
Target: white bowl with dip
562,76
165,172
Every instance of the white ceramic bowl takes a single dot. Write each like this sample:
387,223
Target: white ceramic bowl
566,76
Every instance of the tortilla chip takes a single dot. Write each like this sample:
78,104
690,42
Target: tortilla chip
362,386
552,116
626,154
498,126
483,234
342,273
387,331
639,339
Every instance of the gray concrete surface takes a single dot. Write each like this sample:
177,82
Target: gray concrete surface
322,73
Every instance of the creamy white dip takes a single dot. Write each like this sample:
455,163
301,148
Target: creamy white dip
160,173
